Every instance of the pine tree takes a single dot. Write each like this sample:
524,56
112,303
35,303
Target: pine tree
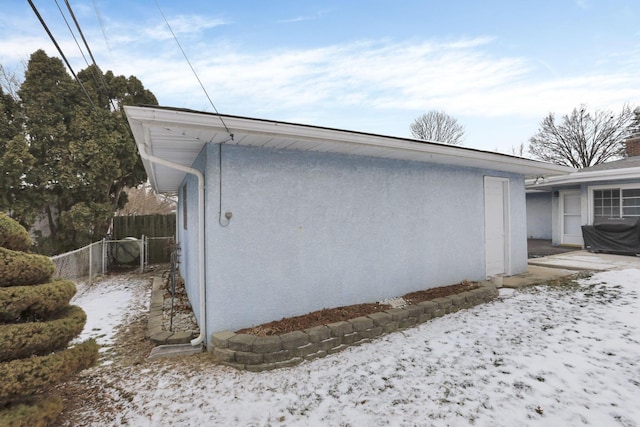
81,152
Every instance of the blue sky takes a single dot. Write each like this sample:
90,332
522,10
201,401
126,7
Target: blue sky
497,66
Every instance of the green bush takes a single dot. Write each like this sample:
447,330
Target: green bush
35,414
34,302
19,268
13,235
23,378
36,324
38,338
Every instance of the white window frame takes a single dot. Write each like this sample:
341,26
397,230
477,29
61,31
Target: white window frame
612,186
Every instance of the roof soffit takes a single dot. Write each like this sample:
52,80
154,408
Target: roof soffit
179,136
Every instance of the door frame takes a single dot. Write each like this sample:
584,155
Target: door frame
562,194
506,223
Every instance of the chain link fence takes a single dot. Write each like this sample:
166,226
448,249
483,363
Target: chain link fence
105,256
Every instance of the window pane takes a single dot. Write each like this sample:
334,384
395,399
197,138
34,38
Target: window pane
631,192
606,203
631,202
572,204
631,211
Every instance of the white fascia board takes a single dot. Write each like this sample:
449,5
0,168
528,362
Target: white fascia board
582,177
141,137
170,118
299,132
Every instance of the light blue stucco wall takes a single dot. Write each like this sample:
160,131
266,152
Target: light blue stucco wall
315,230
187,236
539,217
518,223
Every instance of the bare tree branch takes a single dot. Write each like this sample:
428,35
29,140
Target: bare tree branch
142,200
582,139
518,150
9,81
437,126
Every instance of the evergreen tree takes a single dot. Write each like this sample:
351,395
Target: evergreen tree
81,153
15,158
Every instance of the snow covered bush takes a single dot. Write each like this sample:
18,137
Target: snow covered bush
36,325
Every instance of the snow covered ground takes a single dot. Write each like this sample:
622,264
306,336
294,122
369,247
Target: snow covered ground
110,303
543,356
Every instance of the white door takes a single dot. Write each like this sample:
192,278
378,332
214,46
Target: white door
570,218
496,225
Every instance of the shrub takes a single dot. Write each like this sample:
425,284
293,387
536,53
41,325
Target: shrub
38,338
36,301
23,378
36,324
13,235
31,414
19,268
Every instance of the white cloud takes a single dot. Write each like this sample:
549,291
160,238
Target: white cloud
182,25
383,74
296,19
462,76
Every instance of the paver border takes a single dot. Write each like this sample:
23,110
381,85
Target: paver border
253,353
154,324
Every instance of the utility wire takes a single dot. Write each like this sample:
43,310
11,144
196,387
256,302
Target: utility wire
53,39
93,59
73,16
73,35
193,70
104,33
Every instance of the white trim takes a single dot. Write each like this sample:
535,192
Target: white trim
507,226
581,177
591,188
179,136
506,207
562,194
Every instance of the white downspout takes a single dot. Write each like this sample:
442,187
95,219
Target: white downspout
201,271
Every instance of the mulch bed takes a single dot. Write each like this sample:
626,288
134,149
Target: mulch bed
338,314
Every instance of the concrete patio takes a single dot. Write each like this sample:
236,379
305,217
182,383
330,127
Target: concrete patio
550,267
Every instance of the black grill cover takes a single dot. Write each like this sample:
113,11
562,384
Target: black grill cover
613,235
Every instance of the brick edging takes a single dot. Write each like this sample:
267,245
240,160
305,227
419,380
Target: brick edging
155,333
253,353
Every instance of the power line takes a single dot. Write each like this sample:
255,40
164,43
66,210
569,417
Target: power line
93,59
104,33
72,33
53,39
73,16
193,70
